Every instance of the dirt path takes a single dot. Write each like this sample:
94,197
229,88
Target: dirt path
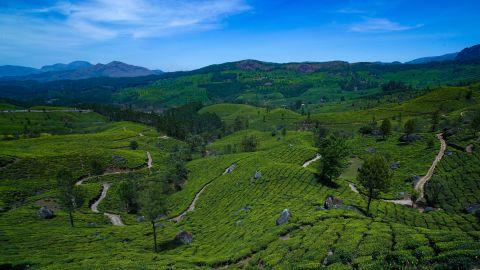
115,219
353,187
45,111
149,160
419,186
469,148
308,162
191,207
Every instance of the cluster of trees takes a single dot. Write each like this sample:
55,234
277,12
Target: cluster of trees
375,175
395,86
356,83
180,122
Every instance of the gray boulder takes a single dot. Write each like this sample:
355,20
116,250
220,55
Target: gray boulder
409,138
284,217
332,202
45,213
184,238
412,179
140,218
257,175
231,168
395,165
371,150
472,208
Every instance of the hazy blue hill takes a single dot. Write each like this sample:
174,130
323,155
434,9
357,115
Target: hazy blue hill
423,60
468,54
10,70
61,67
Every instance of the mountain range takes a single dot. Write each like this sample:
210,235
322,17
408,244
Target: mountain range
74,71
467,54
84,70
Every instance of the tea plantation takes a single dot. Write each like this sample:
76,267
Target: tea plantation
230,206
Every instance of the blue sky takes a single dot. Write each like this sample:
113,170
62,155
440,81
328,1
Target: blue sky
188,34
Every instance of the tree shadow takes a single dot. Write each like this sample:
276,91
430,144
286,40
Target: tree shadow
326,182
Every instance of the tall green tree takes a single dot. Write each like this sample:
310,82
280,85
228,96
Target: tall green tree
152,205
127,193
69,196
375,176
134,145
334,152
475,125
96,167
410,127
386,128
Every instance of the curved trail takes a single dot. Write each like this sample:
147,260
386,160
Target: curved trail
149,160
419,186
115,219
308,162
191,207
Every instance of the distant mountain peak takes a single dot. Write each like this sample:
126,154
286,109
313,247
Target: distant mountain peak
470,53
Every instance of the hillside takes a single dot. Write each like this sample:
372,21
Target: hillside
233,221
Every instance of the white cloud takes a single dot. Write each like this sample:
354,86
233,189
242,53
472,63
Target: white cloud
373,25
69,23
146,18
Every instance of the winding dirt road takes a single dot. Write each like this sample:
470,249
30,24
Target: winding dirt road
419,186
191,207
115,219
308,162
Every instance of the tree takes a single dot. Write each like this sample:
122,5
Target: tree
386,128
153,206
69,196
284,132
96,167
410,127
374,176
334,152
133,145
435,120
127,193
249,143
475,125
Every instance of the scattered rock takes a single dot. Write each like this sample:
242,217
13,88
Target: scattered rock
238,222
257,175
472,208
408,138
412,179
91,224
284,217
231,168
428,209
183,238
126,241
448,153
332,202
371,150
140,218
395,165
246,208
45,213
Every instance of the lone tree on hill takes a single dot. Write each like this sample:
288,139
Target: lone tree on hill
152,207
70,197
96,167
386,128
334,152
374,176
475,125
410,127
127,193
133,145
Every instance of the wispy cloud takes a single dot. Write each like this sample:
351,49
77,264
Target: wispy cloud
94,20
374,25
